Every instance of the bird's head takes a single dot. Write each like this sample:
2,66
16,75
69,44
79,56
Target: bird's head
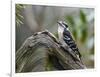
62,24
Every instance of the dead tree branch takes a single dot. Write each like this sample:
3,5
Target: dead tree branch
42,52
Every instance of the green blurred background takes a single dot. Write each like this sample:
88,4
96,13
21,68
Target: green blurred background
34,18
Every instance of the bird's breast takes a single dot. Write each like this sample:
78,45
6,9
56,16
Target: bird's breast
60,32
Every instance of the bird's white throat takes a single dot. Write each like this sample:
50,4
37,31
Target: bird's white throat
60,32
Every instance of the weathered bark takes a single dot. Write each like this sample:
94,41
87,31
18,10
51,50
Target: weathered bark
42,52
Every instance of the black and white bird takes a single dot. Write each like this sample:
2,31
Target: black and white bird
65,37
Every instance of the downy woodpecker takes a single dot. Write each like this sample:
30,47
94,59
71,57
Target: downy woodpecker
65,37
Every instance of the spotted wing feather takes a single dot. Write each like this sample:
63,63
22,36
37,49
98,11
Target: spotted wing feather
70,42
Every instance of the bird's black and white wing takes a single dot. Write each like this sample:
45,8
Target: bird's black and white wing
70,42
